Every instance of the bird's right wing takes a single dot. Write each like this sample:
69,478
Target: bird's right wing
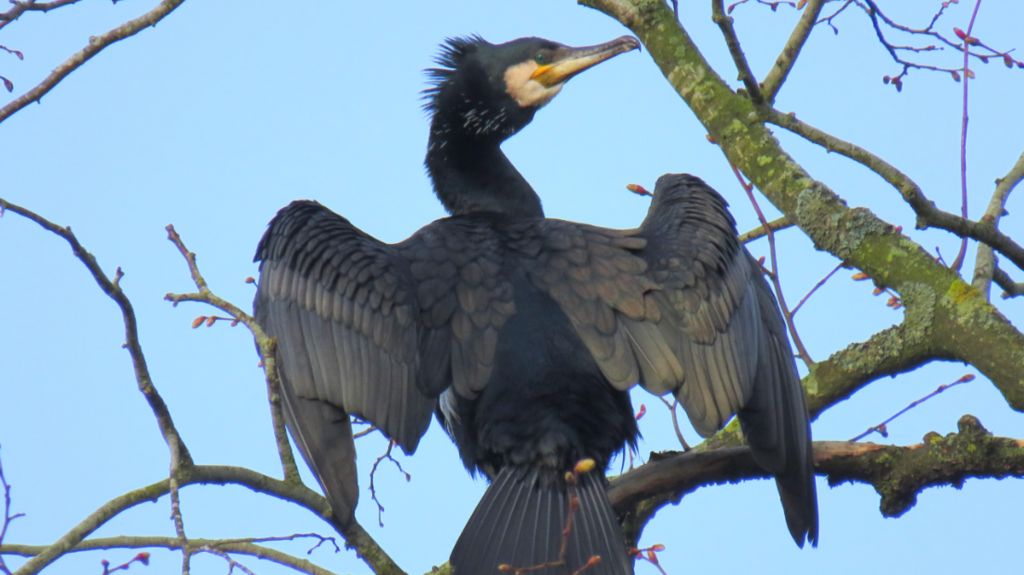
342,306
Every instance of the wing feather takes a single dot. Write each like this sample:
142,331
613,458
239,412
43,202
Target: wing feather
342,307
678,305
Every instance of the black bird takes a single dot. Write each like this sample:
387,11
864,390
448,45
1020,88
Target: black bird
524,333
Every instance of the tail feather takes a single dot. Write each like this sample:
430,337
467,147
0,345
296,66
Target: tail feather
776,425
521,522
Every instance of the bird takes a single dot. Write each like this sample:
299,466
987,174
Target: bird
524,334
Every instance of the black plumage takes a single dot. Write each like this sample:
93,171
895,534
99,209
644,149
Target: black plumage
524,333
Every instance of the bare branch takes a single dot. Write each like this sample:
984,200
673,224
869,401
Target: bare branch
816,287
265,344
112,288
882,428
897,473
95,46
958,262
928,215
732,41
761,231
20,7
1010,288
774,275
239,547
794,45
8,518
985,266
355,536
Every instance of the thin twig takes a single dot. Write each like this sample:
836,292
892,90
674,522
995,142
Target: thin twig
881,428
265,344
959,261
20,7
172,543
8,518
139,558
95,46
817,286
775,225
673,409
232,563
774,276
373,473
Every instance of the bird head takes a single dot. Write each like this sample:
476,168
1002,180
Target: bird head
484,91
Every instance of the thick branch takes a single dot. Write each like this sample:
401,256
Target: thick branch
897,473
95,46
891,351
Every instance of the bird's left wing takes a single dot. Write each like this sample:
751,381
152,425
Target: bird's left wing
342,307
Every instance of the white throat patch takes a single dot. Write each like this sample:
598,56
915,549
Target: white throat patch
526,91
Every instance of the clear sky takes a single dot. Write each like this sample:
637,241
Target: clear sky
228,110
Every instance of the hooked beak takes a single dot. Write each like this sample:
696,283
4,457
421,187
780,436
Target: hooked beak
571,61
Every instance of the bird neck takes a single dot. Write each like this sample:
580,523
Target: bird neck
472,175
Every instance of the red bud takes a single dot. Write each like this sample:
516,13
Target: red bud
638,190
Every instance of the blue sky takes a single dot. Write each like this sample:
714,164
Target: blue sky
228,110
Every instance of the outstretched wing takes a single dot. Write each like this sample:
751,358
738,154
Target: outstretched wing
343,308
679,305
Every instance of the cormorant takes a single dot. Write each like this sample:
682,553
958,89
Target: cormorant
525,333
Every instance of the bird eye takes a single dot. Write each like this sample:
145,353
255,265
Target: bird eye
540,58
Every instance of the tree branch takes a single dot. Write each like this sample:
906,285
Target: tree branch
194,546
928,215
356,538
1010,288
985,266
113,290
794,45
95,46
20,7
898,473
183,470
265,345
732,41
762,231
